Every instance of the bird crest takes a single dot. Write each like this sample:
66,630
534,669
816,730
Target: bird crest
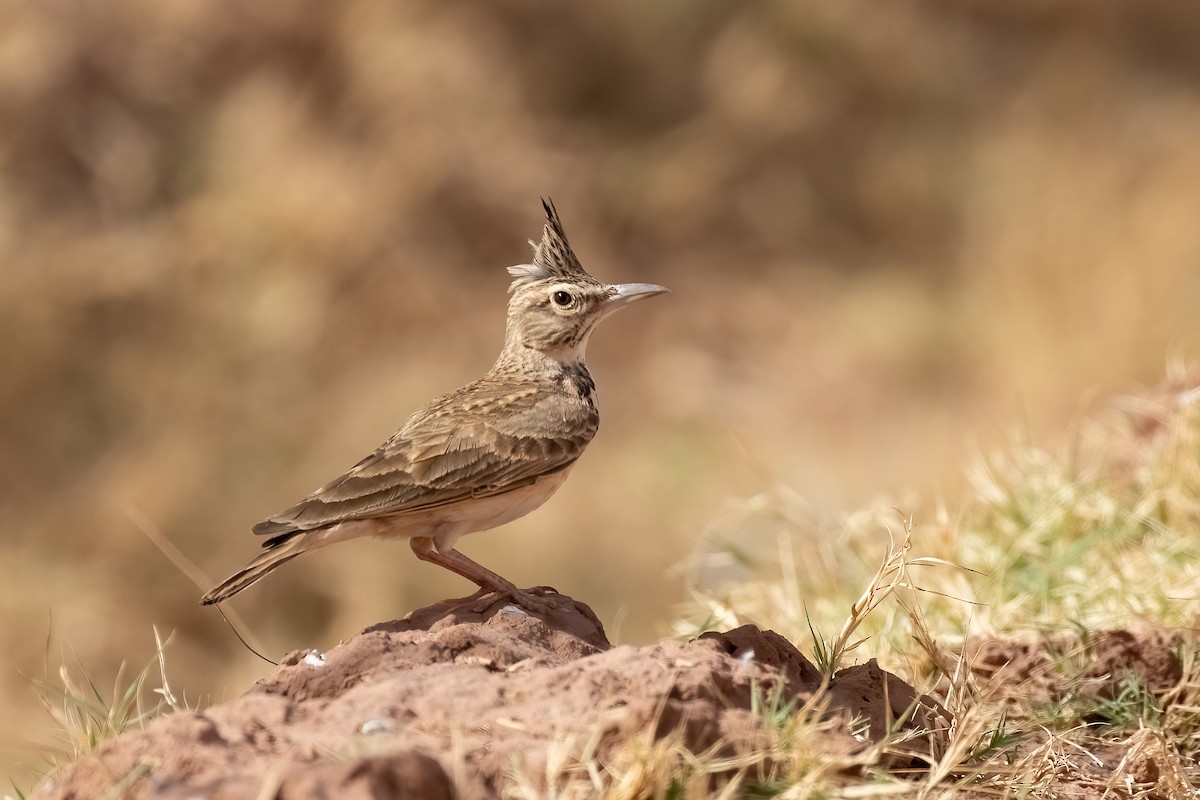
552,257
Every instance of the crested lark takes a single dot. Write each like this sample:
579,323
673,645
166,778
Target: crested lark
480,456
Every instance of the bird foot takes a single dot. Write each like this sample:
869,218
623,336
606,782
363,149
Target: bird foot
538,600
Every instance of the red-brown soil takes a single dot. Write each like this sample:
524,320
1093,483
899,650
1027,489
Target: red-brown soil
1087,681
1096,669
460,701
455,697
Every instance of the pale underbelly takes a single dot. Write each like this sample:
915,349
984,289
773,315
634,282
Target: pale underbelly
447,523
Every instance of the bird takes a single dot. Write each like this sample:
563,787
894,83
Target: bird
478,457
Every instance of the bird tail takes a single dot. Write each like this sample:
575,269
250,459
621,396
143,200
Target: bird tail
280,550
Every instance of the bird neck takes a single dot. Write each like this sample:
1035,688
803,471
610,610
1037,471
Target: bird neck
519,359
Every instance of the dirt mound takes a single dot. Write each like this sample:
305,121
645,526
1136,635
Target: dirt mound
1097,667
454,697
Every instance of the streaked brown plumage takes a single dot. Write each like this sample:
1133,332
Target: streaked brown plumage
481,456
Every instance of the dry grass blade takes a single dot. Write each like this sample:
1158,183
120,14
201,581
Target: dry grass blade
891,575
86,717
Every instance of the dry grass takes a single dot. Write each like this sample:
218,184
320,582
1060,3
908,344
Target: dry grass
1101,535
237,247
85,715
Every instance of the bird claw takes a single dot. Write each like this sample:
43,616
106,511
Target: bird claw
537,600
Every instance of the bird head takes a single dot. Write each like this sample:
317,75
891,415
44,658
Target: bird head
555,304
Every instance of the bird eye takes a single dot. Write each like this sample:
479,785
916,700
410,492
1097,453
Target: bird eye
562,298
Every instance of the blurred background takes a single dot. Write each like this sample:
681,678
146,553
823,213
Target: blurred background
240,243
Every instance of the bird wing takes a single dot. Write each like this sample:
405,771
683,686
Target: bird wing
452,450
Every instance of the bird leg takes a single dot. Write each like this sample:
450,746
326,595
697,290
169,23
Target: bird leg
488,581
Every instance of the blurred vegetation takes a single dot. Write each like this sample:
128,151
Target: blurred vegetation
239,244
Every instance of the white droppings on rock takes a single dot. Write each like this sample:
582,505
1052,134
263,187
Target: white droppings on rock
373,726
314,658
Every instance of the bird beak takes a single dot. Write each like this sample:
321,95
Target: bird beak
625,293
